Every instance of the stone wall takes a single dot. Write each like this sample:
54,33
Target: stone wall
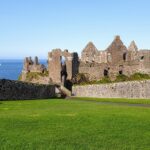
134,89
17,90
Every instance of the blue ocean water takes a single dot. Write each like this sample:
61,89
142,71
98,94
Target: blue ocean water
11,69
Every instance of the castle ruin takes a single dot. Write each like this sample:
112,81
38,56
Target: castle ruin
116,59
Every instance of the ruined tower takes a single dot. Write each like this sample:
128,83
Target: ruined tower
55,65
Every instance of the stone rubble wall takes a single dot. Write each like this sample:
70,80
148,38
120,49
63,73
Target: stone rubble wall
132,89
17,90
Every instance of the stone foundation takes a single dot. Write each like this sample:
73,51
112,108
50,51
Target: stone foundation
16,90
134,89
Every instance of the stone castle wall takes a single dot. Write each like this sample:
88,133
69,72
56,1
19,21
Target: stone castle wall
16,90
134,89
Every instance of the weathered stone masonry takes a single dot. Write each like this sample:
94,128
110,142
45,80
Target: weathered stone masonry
114,60
16,90
134,89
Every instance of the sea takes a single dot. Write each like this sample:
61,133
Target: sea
12,68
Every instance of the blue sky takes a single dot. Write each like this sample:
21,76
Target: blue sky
34,27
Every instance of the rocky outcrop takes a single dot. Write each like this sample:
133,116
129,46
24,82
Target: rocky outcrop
17,90
134,89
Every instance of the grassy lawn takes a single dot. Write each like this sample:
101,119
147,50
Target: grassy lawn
72,125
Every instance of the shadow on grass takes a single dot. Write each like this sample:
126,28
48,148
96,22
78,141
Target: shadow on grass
34,99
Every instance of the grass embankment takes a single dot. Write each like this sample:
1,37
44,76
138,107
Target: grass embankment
114,100
72,125
34,75
82,79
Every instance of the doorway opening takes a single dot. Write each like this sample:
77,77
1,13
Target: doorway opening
63,72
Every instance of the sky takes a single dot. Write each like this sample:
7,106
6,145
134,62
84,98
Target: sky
35,27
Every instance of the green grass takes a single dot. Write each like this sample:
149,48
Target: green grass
34,75
119,78
114,100
72,125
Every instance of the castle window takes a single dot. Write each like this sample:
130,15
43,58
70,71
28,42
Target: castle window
62,60
120,72
142,57
125,56
109,57
121,69
105,73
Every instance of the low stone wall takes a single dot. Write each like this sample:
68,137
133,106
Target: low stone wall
17,90
133,89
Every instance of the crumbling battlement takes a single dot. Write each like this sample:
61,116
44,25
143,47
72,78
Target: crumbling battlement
33,66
